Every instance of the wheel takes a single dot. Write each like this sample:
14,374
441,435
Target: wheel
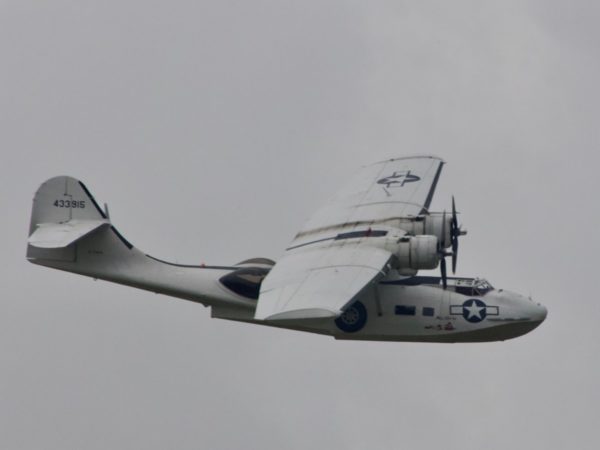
353,319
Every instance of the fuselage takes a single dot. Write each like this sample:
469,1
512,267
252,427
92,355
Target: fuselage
415,309
397,308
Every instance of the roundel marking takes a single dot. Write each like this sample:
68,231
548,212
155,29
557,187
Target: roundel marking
398,179
474,310
353,319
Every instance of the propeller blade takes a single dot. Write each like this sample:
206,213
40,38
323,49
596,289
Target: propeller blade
454,234
443,270
442,245
454,256
454,219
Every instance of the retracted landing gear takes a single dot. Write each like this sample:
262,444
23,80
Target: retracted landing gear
353,319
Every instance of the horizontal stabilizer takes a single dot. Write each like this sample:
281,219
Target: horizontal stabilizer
59,235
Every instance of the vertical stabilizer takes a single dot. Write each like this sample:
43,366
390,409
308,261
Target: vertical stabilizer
61,199
63,212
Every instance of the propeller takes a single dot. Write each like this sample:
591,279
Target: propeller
455,233
442,252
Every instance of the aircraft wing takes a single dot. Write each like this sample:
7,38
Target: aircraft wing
381,192
339,251
318,283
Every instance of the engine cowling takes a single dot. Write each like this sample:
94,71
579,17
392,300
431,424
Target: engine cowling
432,224
416,253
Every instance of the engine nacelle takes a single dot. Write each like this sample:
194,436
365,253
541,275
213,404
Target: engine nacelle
432,224
417,253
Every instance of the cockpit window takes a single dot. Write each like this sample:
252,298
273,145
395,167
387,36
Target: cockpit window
483,287
473,287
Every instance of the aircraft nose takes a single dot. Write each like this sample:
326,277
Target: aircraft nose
540,313
535,311
522,313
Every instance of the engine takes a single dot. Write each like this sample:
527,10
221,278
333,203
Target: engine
432,224
417,252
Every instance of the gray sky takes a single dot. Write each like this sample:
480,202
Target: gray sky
213,130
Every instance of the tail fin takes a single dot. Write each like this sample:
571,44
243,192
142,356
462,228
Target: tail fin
64,211
61,199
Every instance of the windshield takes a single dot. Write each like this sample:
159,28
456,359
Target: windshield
473,287
483,286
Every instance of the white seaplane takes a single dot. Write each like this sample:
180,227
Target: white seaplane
350,273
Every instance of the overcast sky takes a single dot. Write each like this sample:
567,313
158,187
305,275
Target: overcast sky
214,129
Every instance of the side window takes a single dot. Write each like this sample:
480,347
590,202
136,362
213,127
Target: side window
427,311
464,290
402,310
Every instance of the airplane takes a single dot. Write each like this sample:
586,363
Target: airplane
351,272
